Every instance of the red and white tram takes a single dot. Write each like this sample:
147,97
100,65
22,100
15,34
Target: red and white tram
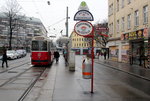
42,51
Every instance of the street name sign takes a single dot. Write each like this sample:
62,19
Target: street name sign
83,15
83,28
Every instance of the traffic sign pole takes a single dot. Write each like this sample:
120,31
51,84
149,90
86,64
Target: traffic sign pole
85,29
92,53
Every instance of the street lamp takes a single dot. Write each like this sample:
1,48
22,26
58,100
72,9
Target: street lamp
67,23
48,2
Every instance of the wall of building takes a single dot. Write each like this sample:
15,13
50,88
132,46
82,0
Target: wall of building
80,44
127,37
26,29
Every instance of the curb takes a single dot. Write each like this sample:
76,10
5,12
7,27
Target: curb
145,78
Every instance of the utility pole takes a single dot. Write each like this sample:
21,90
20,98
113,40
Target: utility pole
67,22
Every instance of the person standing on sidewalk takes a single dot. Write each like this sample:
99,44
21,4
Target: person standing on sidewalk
66,57
56,55
105,55
4,58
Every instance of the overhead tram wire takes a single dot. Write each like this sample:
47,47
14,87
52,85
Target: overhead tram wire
37,9
57,22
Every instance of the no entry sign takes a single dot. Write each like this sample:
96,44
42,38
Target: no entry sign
83,28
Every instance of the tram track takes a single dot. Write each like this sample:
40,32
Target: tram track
13,67
20,78
12,78
21,75
30,87
18,60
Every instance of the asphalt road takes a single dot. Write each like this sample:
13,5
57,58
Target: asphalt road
109,84
115,85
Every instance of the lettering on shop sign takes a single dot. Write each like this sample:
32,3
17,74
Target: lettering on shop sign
139,34
132,35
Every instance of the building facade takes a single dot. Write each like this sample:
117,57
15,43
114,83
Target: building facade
128,22
82,45
22,35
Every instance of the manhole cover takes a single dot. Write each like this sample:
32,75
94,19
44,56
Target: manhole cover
12,72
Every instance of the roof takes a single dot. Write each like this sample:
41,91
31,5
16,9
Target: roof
31,19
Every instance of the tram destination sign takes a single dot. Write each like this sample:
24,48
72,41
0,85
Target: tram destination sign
83,28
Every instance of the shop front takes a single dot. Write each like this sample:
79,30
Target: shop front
114,52
125,53
137,50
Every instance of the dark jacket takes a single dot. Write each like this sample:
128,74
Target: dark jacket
4,58
56,54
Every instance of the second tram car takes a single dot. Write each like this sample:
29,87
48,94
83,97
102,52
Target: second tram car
42,51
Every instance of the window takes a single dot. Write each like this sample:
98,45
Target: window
129,21
122,5
43,46
122,23
111,9
136,18
117,5
111,28
39,45
118,26
145,14
35,45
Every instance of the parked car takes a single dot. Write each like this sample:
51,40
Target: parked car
19,54
11,54
22,52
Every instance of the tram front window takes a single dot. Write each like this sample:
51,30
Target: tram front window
39,45
35,45
43,46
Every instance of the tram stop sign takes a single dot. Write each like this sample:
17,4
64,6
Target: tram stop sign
83,28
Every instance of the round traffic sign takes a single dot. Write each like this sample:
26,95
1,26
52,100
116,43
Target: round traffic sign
83,28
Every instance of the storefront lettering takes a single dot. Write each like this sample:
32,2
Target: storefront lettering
140,34
132,36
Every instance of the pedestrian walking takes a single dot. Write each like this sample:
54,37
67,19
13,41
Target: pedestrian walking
56,56
105,55
66,57
4,59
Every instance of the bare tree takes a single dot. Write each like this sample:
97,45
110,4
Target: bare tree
101,33
62,41
13,15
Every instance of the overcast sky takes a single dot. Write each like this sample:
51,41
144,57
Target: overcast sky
53,15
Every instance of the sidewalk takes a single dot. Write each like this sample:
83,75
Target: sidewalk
60,84
125,67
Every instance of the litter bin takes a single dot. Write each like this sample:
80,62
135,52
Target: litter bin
87,69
